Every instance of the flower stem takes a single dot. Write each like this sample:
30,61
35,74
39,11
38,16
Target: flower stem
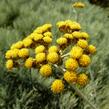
64,55
75,12
77,90
60,68
83,96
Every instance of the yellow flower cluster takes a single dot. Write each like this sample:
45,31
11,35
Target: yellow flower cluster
39,39
72,77
79,55
78,5
37,51
68,26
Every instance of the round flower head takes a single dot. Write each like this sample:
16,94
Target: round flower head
68,22
8,54
11,54
47,26
70,77
15,53
68,36
82,43
9,64
61,41
47,39
52,57
57,86
91,49
39,49
84,60
75,26
38,37
78,5
84,35
31,36
40,57
76,34
24,52
82,79
38,30
48,34
27,42
17,45
53,48
60,24
29,62
13,46
71,64
43,28
46,70
76,52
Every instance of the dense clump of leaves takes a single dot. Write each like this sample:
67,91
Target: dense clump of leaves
22,90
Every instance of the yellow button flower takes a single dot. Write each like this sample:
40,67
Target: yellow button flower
75,26
47,26
76,34
84,35
24,52
82,43
48,34
68,23
78,5
46,70
76,52
91,49
15,53
12,53
47,39
57,86
13,46
27,42
39,49
60,24
38,30
37,37
53,48
40,57
31,36
61,41
29,62
84,60
43,28
82,79
17,45
52,57
8,54
68,36
71,64
9,64
70,77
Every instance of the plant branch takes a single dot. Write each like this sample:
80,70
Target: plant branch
83,96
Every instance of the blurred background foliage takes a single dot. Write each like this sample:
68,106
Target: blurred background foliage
21,89
104,3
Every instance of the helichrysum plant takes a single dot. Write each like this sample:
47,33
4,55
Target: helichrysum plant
71,54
